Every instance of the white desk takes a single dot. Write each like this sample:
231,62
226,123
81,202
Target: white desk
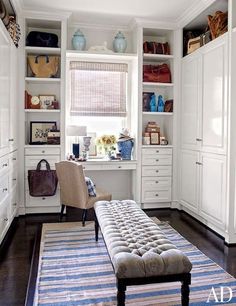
115,176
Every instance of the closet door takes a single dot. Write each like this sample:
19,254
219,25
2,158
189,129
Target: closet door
214,99
190,106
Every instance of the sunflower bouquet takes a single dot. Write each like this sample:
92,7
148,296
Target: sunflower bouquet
106,144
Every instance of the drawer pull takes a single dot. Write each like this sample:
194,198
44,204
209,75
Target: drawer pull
157,151
197,163
14,204
157,195
11,139
119,167
4,165
84,167
5,219
157,182
43,198
14,158
4,190
157,160
43,151
157,171
14,179
198,139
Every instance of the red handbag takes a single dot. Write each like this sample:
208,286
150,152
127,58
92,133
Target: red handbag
156,73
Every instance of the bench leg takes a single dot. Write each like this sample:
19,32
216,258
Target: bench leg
96,228
185,293
121,288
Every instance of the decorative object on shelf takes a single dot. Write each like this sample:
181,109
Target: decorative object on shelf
187,36
119,43
146,101
163,141
55,104
151,134
44,66
153,47
102,48
146,139
169,106
39,131
156,73
92,147
160,104
78,41
154,138
153,103
218,23
42,183
86,143
75,130
106,145
125,144
53,137
42,39
46,101
34,102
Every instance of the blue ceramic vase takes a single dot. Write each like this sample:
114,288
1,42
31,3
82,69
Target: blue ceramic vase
78,41
125,149
119,43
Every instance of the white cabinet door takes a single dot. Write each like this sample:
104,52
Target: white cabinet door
190,106
189,179
214,99
4,90
213,188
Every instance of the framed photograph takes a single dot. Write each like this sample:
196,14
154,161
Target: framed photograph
46,101
39,131
154,138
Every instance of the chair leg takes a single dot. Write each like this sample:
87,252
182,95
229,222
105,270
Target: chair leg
62,211
84,216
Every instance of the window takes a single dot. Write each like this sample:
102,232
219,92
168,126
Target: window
98,89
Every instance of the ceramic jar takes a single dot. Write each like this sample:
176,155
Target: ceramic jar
78,41
125,149
119,43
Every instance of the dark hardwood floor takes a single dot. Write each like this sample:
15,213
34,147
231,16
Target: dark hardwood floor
16,250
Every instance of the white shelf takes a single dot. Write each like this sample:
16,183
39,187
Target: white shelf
42,80
155,84
42,50
101,55
158,113
42,110
157,146
153,57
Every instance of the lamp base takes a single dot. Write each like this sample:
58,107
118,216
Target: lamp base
75,149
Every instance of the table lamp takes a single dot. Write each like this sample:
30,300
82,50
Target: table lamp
75,130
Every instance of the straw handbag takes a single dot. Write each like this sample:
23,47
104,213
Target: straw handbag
44,66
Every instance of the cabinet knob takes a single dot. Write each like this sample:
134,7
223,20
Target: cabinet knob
197,163
157,151
157,160
14,204
4,190
119,167
14,158
43,198
4,165
5,219
198,139
157,182
157,195
43,151
157,171
11,139
14,179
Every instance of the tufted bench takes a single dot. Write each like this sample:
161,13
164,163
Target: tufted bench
139,252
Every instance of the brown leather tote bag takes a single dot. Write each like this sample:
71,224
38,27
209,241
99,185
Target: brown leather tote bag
42,182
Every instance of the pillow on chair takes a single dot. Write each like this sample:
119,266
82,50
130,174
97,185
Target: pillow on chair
91,187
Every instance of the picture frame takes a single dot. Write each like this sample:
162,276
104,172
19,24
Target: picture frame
39,131
154,138
46,101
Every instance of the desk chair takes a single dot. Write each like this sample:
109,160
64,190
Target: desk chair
74,190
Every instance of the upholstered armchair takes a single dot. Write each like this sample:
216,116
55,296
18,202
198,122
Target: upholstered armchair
74,190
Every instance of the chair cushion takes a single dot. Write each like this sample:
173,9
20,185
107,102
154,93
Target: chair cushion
136,245
101,196
91,187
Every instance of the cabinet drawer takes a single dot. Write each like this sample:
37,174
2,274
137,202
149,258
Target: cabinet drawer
4,165
42,151
42,201
151,196
156,171
4,187
155,183
162,151
156,159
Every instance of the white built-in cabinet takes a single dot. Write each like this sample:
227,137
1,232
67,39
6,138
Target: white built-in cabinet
8,132
203,133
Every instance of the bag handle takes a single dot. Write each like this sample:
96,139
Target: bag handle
39,164
41,55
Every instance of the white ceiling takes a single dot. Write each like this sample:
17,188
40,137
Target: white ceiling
116,11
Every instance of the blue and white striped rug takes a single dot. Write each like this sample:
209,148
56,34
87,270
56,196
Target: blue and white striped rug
75,270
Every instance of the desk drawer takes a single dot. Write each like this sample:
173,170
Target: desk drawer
42,201
157,151
110,166
152,196
155,183
156,159
42,151
156,171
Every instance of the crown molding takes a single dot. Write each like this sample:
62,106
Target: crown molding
18,6
103,27
146,23
192,12
55,15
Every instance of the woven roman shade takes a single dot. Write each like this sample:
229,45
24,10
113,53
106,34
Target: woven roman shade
98,89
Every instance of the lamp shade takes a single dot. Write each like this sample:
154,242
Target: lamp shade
76,130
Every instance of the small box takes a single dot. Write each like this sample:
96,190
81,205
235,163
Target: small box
54,137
